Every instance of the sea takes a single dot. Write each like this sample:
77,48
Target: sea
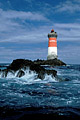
27,97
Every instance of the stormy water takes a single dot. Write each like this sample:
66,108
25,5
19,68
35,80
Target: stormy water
57,96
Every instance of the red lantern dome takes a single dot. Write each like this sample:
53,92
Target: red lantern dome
52,30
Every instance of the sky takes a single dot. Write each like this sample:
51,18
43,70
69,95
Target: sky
25,24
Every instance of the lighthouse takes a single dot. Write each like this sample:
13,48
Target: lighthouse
52,45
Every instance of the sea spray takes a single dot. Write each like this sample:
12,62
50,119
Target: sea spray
27,95
29,77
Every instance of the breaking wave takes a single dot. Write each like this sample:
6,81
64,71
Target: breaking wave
29,77
27,95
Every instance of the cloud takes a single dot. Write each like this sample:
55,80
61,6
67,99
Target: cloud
68,25
12,20
12,14
66,53
68,31
68,6
22,34
7,54
18,26
69,54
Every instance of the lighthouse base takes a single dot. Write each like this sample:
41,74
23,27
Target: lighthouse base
50,57
52,53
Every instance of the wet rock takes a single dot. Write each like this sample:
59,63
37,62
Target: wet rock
6,71
20,73
22,63
18,64
35,66
53,62
51,72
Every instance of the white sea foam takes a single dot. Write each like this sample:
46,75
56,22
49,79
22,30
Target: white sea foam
10,75
30,77
0,74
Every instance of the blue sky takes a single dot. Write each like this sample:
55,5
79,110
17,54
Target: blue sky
24,25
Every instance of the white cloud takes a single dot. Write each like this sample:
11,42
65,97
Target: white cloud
7,55
33,27
68,31
68,6
70,54
68,25
11,20
12,14
12,30
25,37
19,34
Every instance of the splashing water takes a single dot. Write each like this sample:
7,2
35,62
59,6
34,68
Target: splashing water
47,95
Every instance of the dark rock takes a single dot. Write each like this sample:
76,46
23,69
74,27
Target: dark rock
5,72
33,66
54,62
20,73
51,72
22,63
18,64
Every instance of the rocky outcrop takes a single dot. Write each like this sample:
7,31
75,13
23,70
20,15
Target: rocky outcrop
20,66
53,62
19,63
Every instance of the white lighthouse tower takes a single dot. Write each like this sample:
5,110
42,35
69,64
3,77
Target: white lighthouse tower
52,45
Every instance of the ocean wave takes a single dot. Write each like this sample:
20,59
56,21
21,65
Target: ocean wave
29,77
